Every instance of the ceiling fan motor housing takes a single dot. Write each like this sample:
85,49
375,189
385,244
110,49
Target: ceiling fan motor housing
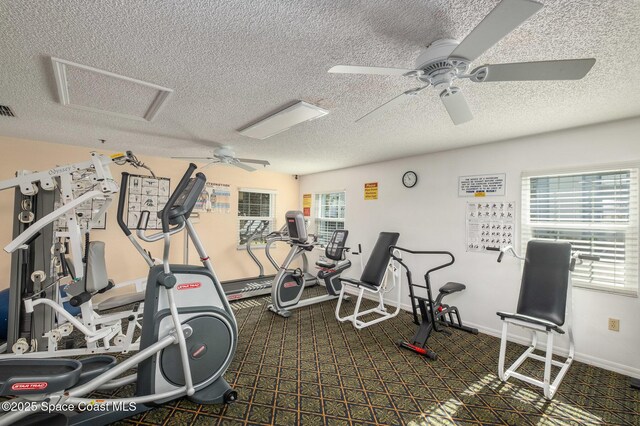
438,68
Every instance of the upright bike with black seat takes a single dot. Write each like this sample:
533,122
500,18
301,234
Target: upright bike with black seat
433,315
289,284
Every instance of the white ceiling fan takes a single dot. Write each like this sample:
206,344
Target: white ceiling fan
446,60
225,155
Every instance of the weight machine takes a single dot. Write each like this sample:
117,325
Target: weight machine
48,228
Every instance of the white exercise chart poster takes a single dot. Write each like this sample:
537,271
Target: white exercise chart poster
150,194
490,224
215,198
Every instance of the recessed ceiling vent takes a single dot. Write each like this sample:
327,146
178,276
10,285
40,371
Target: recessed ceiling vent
6,111
91,89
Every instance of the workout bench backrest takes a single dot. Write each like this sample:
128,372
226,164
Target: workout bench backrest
545,279
335,247
376,266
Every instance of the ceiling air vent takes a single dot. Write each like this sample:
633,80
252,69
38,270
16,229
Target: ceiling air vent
6,111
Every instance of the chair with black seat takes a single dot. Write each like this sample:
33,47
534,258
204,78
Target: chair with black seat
373,281
542,303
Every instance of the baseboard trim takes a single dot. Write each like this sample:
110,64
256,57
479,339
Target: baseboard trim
587,359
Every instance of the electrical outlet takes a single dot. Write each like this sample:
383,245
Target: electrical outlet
614,324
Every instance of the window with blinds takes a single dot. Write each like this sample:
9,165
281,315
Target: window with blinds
256,216
597,212
330,210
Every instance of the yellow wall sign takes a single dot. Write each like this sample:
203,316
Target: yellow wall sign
306,204
371,191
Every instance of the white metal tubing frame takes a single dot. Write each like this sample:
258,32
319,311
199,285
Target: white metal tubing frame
380,309
110,327
549,387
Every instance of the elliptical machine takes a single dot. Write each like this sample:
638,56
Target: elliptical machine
289,284
189,338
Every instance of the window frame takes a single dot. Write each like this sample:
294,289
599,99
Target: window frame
317,210
272,218
632,227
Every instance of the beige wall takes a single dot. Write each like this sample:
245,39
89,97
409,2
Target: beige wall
217,231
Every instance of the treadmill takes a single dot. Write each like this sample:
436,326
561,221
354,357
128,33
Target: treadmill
245,288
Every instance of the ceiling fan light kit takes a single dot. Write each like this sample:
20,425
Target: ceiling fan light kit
447,60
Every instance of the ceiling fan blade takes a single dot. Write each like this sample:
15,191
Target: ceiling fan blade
194,158
243,166
392,103
456,105
354,69
503,19
249,160
209,164
569,69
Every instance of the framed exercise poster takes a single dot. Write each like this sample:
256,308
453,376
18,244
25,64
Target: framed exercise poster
490,224
86,211
147,193
214,198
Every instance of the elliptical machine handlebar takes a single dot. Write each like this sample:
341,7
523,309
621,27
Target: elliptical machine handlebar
142,227
164,217
122,197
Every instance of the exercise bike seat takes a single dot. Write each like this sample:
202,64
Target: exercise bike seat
38,376
326,265
452,287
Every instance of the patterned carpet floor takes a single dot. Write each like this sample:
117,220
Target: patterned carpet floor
311,370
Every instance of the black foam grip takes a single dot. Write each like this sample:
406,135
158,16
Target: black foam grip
121,200
500,256
80,299
174,196
144,219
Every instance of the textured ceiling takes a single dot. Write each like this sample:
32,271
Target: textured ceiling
231,62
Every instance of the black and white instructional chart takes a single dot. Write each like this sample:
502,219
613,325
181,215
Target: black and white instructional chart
490,224
147,193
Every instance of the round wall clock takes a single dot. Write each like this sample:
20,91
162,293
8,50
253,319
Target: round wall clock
409,179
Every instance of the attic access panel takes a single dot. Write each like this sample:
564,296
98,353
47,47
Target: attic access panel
91,89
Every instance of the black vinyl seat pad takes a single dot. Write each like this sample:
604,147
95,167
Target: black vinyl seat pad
359,283
452,287
537,321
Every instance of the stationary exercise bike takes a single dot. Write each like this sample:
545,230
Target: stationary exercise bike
288,284
433,315
189,338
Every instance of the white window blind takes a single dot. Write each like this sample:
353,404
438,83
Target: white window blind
597,212
330,213
256,213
